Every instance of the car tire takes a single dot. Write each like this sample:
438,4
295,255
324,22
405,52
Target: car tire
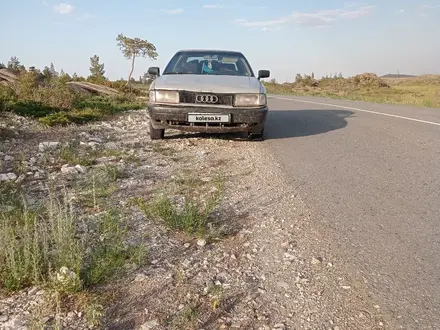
156,133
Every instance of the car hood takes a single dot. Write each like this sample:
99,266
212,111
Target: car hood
208,83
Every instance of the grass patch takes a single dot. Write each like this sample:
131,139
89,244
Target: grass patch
44,247
93,191
192,217
114,172
111,153
72,156
34,244
423,91
79,111
110,252
163,149
133,159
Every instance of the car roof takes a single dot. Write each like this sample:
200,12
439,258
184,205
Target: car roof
210,50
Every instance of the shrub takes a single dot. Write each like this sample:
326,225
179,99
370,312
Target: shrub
27,85
58,118
57,95
31,108
43,246
7,95
33,244
56,104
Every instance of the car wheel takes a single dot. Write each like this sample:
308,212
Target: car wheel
155,133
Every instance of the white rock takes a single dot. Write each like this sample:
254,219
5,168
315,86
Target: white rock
8,158
7,177
21,178
66,169
315,261
15,324
65,274
81,169
149,325
201,242
93,144
289,257
140,277
43,146
95,139
33,291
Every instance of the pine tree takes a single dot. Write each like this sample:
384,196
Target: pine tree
15,65
96,69
53,72
135,47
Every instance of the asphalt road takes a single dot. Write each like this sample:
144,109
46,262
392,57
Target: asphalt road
371,175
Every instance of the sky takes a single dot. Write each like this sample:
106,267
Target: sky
285,37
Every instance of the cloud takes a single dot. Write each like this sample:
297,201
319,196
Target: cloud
401,10
213,6
45,3
176,11
220,6
425,8
85,16
431,6
63,8
321,18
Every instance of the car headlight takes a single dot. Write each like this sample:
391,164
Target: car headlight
250,100
163,96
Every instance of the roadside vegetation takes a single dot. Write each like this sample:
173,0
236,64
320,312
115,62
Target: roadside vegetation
421,91
192,214
73,241
51,246
51,97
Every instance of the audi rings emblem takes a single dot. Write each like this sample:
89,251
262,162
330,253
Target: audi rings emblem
207,98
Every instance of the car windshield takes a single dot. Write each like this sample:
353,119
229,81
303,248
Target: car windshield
209,63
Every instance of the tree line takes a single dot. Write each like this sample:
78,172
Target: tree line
131,49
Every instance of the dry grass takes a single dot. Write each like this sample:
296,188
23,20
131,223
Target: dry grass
423,91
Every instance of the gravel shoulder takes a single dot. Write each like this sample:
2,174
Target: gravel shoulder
265,264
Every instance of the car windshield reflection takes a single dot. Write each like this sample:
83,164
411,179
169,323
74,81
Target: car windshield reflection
209,63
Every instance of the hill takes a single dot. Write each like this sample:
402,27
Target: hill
394,75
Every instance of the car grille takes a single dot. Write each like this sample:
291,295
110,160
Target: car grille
191,97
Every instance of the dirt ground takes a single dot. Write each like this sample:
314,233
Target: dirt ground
265,265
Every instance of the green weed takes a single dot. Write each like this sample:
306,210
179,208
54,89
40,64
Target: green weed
191,218
43,247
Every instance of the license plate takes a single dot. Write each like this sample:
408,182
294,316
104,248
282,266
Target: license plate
208,118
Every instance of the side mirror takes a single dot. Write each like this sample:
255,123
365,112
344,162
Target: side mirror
154,71
263,74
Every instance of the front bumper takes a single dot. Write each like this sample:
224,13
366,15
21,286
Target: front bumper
176,117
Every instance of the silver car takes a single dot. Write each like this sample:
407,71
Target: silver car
211,91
